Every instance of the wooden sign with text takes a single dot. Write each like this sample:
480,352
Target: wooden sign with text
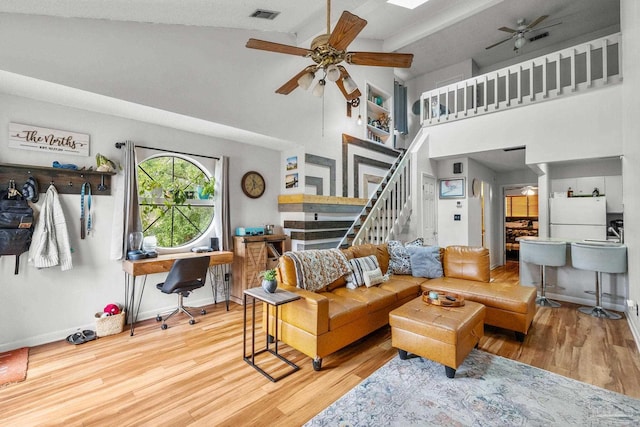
54,141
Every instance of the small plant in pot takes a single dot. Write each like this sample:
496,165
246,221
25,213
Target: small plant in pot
269,283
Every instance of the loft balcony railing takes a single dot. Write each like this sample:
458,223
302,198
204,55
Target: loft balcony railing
586,66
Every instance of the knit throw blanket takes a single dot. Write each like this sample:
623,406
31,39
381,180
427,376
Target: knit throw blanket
316,268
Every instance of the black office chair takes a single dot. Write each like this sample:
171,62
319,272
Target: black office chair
185,276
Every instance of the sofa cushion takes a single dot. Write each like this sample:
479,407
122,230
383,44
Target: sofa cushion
358,267
375,297
465,262
403,286
425,261
380,251
342,310
399,261
504,296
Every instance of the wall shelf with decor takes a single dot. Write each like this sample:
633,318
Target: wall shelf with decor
378,114
67,181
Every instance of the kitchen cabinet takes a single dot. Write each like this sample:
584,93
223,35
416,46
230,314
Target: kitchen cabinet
252,255
582,186
586,185
610,186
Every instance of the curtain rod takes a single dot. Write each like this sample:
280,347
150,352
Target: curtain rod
121,144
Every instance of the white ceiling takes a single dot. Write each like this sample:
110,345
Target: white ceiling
439,33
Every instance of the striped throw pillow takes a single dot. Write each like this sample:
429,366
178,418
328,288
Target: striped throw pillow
358,267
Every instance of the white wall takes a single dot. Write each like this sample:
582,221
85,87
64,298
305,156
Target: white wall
201,72
550,131
630,111
46,305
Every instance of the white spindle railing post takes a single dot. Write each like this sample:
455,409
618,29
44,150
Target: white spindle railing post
496,83
605,69
519,85
573,70
545,61
558,82
506,88
466,105
532,95
475,96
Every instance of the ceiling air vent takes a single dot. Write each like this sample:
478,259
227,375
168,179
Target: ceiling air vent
539,36
264,14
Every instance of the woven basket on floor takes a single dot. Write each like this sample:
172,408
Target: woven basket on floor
109,325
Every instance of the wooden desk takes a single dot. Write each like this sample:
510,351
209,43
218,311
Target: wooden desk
161,264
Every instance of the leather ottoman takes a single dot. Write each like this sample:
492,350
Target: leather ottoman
443,334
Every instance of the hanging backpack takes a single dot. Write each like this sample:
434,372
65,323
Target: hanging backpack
16,224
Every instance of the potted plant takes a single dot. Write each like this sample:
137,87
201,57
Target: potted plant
269,283
206,189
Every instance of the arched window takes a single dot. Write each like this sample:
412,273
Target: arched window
176,199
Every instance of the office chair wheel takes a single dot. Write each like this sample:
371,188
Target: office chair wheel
158,318
164,326
203,311
192,322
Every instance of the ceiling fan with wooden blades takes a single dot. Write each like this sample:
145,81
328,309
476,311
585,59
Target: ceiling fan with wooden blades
519,35
327,51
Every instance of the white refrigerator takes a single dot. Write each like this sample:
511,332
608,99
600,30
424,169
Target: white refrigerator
578,217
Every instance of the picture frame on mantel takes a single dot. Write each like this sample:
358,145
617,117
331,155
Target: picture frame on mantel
452,188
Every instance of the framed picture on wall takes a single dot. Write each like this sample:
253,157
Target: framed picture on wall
292,163
452,188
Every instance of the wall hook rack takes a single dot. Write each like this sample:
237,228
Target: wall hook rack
42,174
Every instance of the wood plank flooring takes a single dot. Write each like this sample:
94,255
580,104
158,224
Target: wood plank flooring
195,375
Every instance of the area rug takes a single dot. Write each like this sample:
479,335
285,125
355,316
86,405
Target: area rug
487,390
13,366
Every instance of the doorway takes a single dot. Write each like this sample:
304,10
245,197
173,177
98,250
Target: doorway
520,218
429,210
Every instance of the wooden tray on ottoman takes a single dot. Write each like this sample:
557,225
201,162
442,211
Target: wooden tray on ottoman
445,299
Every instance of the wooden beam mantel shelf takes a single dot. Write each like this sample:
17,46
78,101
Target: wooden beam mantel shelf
67,181
320,204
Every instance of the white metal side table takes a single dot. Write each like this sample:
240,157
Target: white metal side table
275,299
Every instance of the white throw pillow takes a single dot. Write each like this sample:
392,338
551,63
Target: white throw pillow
373,277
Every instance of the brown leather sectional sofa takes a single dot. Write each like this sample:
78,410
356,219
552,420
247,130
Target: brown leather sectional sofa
323,322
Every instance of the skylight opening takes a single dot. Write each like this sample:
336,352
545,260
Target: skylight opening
409,4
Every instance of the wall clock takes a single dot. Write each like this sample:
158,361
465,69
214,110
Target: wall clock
253,184
476,187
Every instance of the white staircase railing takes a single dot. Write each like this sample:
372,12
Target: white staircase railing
585,66
388,210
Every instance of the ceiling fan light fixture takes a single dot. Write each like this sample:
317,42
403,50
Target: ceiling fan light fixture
520,41
349,85
528,190
318,90
305,80
333,73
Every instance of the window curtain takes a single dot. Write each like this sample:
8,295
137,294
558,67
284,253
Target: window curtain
222,222
126,215
400,108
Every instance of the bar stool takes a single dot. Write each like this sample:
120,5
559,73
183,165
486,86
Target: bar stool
601,258
544,253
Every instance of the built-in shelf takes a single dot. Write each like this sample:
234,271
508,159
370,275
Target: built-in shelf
378,107
66,181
